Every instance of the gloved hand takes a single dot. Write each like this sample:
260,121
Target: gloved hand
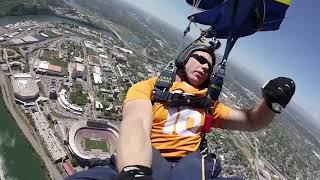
135,172
278,91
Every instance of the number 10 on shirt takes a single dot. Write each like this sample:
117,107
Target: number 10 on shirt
182,121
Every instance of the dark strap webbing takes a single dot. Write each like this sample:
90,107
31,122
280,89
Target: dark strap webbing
163,84
177,99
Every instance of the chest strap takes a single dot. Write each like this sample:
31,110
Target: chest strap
177,99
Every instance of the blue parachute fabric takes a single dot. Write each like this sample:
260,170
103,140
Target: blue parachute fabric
275,12
251,16
205,4
220,18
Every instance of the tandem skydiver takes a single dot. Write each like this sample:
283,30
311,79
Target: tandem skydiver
160,140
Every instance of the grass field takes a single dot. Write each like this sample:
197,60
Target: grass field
95,144
51,54
51,34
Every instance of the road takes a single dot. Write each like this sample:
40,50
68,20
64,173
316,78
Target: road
265,161
28,133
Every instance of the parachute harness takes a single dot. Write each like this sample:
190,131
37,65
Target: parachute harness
239,15
167,77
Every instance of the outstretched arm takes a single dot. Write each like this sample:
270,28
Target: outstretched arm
249,120
134,144
276,95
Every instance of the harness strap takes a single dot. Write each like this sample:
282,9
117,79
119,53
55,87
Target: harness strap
163,83
177,99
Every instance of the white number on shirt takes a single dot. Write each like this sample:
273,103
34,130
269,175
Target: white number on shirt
177,121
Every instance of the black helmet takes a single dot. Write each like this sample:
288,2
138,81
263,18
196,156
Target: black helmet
183,58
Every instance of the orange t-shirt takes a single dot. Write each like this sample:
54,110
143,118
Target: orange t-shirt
176,131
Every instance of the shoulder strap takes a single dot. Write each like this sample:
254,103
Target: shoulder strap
163,83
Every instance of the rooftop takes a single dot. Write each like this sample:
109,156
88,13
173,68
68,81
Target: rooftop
30,39
79,67
97,78
54,68
24,86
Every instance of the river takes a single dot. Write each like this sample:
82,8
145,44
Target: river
46,18
18,160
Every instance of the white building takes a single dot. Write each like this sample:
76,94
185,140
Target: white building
17,41
78,59
30,39
68,106
24,87
97,78
44,35
103,57
46,67
99,106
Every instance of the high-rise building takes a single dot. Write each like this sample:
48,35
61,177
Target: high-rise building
79,71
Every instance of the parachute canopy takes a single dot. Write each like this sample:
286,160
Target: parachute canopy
239,18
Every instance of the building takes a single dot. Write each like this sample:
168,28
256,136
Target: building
97,78
78,59
93,60
79,71
127,51
44,67
99,45
44,35
99,106
119,70
52,143
13,34
25,89
4,67
103,57
97,70
62,99
116,93
17,41
30,39
119,57
67,166
53,94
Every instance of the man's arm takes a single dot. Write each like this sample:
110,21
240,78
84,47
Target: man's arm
249,120
276,94
134,144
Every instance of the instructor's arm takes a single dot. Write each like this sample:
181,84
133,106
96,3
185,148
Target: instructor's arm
134,144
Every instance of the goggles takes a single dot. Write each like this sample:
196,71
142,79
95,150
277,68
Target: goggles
202,60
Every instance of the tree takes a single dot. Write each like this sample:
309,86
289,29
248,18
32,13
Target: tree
74,162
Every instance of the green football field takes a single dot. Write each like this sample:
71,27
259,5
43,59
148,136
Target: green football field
95,144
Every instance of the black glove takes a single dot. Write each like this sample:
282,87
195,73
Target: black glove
278,91
135,172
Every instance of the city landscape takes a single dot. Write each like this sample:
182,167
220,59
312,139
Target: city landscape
64,84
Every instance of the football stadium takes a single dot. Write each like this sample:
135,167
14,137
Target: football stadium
93,140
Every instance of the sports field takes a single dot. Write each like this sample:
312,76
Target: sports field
90,144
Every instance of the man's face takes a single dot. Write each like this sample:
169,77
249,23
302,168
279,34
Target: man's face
197,70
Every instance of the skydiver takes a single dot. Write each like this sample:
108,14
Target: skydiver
158,142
